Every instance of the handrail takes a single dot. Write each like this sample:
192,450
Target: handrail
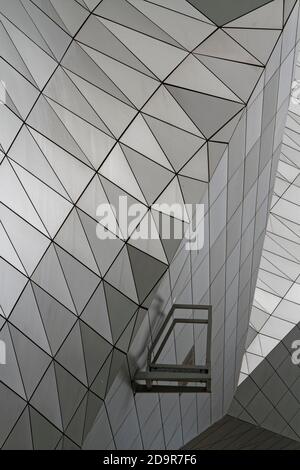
180,373
174,307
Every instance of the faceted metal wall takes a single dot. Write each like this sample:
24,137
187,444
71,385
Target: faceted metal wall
269,394
161,101
276,304
223,273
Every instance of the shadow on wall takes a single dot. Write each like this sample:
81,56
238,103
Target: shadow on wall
138,358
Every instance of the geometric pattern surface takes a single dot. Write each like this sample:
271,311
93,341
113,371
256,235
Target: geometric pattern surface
159,101
223,274
270,396
276,307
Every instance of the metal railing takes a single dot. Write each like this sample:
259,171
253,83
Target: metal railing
157,376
